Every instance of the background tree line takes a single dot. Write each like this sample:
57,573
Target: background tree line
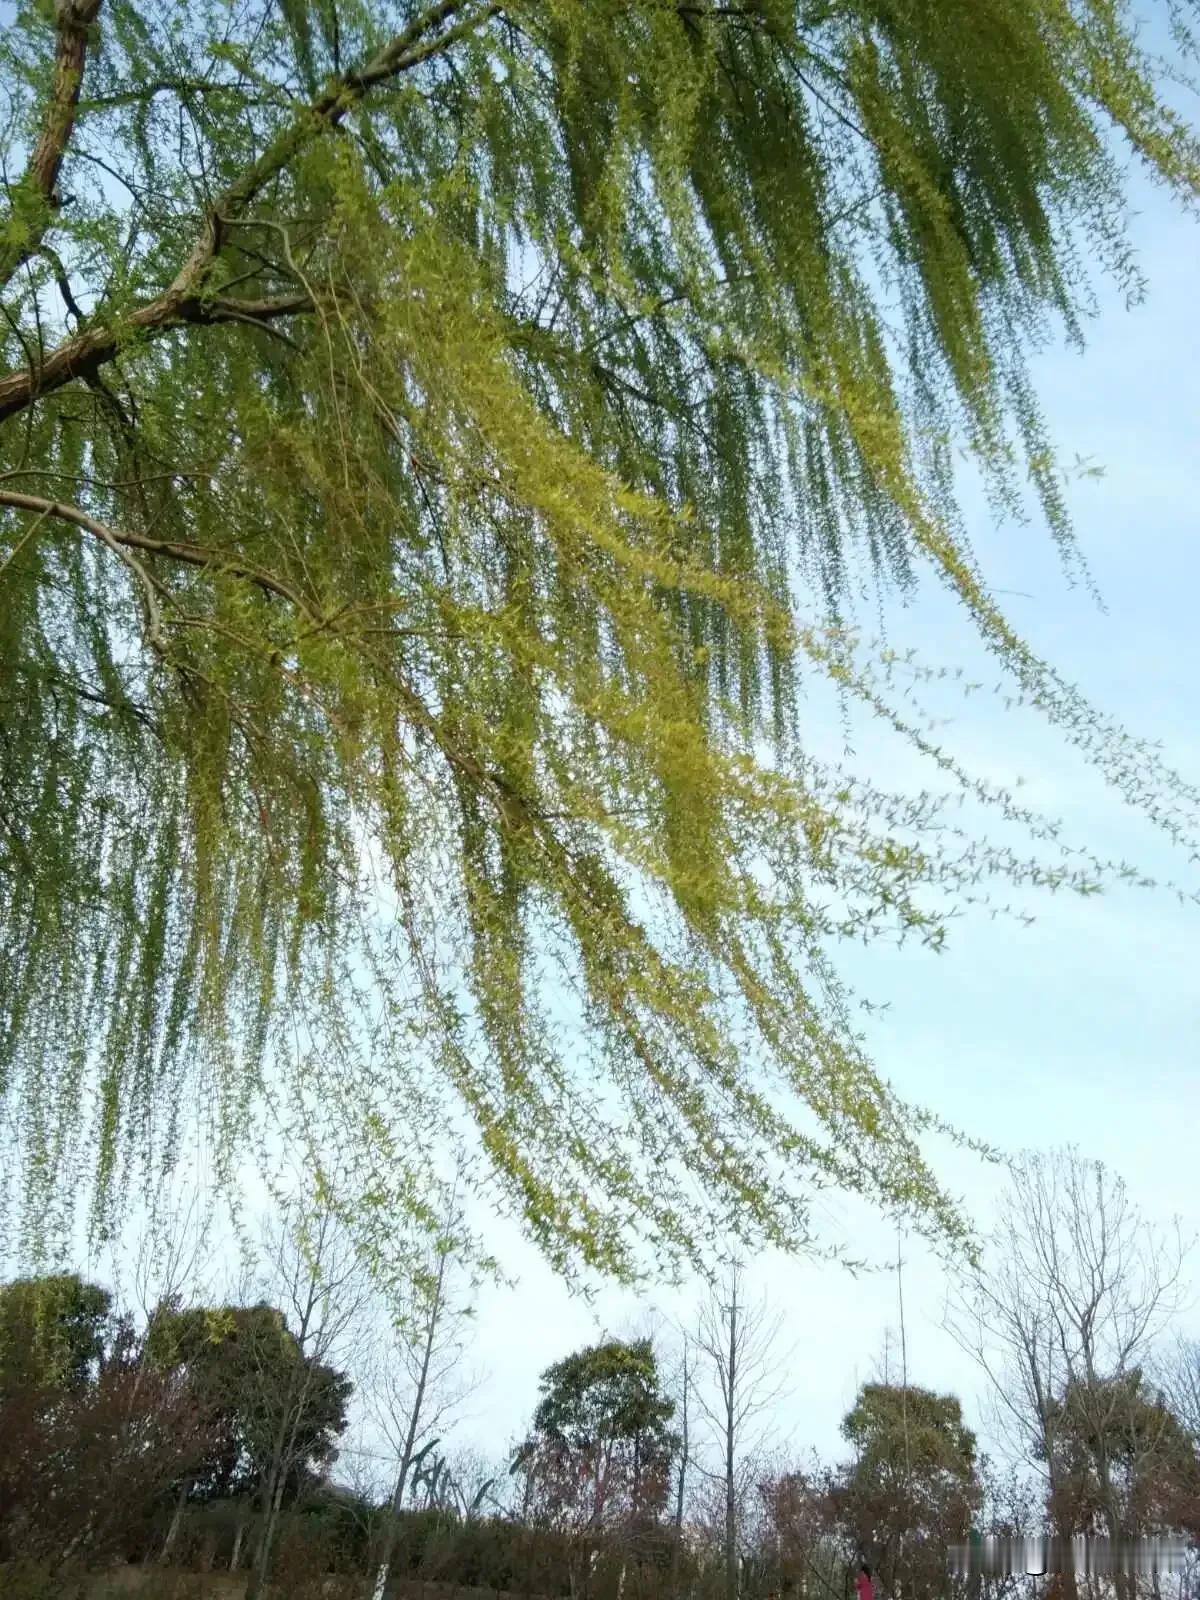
273,1434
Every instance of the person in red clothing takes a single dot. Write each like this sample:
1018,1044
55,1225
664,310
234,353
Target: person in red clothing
866,1589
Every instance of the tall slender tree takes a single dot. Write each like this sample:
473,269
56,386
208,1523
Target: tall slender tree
421,1382
683,1387
439,441
738,1368
312,1265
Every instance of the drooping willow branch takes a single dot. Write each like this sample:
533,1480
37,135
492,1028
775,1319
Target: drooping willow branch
500,576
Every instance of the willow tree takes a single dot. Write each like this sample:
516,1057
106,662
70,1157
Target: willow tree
437,442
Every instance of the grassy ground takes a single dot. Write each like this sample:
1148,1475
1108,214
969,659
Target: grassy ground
158,1583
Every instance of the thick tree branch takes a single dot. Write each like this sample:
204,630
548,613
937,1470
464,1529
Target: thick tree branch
32,199
86,353
184,302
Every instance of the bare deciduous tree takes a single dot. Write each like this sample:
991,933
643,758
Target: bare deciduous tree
420,1383
167,1258
1179,1375
1076,1288
323,1291
172,1254
735,1347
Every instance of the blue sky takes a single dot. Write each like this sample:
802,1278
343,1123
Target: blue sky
1081,1028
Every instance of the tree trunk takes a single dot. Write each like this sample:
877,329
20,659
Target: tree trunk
731,1573
681,1481
284,1450
272,1498
1067,1583
176,1522
266,1542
